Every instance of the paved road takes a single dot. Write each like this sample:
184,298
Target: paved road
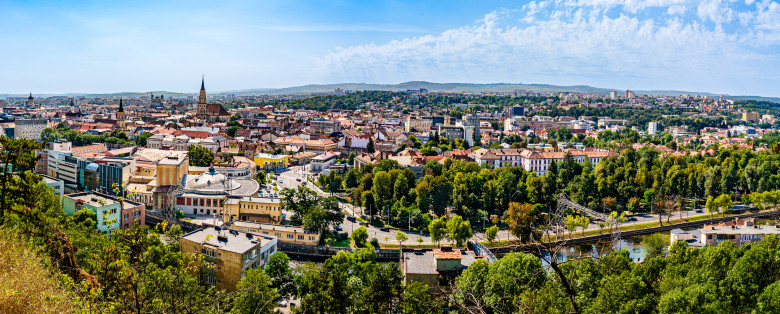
289,177
289,180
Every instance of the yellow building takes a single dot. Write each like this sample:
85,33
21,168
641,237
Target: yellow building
750,117
270,162
254,209
171,170
230,252
286,234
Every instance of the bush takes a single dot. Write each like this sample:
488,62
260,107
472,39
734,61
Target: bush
179,214
375,243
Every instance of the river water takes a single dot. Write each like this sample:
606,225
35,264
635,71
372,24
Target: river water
594,250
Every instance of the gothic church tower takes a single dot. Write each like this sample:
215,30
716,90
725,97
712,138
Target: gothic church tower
203,112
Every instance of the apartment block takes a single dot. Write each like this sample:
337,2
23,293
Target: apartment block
230,252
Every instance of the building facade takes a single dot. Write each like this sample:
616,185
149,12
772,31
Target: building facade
268,162
231,252
29,128
253,209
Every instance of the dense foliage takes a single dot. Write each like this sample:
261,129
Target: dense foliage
200,156
81,139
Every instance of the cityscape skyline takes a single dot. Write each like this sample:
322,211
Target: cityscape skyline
91,47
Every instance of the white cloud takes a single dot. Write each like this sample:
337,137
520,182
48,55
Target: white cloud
572,42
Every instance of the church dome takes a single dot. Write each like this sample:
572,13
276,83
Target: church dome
213,182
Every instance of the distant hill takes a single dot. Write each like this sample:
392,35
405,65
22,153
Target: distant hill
472,87
413,85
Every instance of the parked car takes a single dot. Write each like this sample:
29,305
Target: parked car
338,228
632,219
298,179
385,229
699,211
363,223
281,181
351,218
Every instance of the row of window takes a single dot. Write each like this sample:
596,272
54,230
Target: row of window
254,206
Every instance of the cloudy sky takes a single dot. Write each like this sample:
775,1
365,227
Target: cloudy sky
718,46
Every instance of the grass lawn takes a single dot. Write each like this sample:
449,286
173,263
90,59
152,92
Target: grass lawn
339,243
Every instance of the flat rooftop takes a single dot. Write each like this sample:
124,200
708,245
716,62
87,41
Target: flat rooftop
425,262
237,241
757,229
269,227
94,200
264,200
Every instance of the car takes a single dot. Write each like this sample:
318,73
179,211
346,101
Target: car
699,211
632,219
338,228
351,218
298,179
283,303
363,223
281,181
385,229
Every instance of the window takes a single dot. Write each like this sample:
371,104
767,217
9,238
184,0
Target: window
300,237
213,280
311,238
289,236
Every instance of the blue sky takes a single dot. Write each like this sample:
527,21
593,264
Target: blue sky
719,46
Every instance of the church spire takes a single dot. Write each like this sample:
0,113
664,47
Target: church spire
202,96
121,109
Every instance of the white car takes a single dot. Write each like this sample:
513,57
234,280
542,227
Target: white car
281,181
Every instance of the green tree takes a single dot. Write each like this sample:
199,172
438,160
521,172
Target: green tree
622,293
655,244
423,197
278,269
231,131
370,146
416,298
254,294
49,135
200,156
459,230
724,203
383,187
360,236
521,221
400,188
441,192
438,230
491,233
401,237
323,216
19,155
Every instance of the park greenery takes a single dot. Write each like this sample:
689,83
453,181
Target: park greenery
80,139
632,181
